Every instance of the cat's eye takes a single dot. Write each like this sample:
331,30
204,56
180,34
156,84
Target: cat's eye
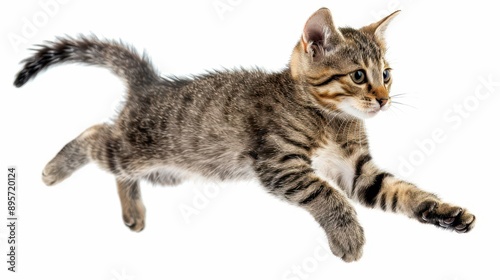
358,76
387,75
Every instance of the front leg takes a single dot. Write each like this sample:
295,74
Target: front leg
376,188
290,177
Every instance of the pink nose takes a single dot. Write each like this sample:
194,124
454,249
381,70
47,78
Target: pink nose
381,95
382,101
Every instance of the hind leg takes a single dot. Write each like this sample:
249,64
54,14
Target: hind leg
133,210
101,145
72,156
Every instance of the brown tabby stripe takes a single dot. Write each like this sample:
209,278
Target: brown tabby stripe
296,143
327,191
303,133
288,178
301,186
370,193
383,201
362,160
289,157
332,95
110,156
394,204
325,81
320,76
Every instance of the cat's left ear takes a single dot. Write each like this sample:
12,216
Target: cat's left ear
320,34
378,28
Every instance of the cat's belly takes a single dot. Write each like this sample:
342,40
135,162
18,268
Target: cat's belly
229,168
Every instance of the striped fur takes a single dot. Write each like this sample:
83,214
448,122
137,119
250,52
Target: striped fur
299,131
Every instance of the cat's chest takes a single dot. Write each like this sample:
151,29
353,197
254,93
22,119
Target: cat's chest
330,163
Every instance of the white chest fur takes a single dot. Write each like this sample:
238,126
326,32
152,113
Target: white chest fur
331,166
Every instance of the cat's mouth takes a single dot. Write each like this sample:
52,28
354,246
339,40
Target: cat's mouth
350,108
369,113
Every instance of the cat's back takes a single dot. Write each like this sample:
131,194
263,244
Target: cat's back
211,115
221,98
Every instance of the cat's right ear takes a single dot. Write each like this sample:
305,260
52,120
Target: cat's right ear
320,34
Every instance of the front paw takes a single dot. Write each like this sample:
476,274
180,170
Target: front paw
446,216
346,241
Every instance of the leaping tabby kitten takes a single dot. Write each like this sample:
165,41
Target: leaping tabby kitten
299,131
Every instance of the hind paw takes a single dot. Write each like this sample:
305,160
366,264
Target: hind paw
134,216
52,174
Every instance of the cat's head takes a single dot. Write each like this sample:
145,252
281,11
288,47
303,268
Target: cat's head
344,68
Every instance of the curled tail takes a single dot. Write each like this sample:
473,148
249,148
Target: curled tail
121,59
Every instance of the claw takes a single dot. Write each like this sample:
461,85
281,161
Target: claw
461,227
449,221
459,211
463,230
425,216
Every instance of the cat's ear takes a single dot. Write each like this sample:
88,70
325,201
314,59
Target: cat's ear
378,28
320,34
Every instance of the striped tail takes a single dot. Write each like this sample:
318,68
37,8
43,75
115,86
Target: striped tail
121,59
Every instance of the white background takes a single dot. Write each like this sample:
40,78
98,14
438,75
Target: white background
440,52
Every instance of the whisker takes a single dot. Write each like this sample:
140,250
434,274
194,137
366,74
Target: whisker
341,129
346,128
360,134
399,103
404,95
333,118
395,107
399,94
395,113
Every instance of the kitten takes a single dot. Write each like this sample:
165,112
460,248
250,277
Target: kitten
299,131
